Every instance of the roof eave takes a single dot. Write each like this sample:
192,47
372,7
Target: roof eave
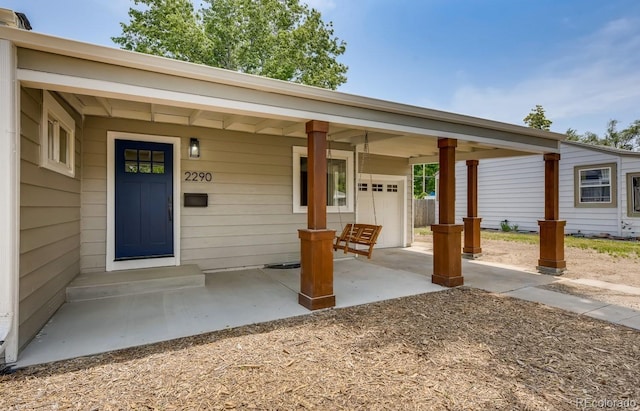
125,58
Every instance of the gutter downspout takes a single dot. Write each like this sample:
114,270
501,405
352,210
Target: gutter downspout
9,201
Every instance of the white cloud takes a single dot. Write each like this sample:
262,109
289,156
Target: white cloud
597,76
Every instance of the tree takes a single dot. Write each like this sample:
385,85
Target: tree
537,119
281,39
627,139
424,179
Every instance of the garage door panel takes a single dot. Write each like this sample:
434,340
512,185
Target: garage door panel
382,204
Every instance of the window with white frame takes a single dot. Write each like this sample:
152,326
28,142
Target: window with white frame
340,192
595,185
57,138
633,195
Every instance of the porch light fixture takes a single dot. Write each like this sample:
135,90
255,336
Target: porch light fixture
194,148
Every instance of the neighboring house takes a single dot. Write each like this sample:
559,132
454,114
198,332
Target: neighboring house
599,190
114,160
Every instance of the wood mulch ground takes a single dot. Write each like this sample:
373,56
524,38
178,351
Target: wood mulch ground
459,349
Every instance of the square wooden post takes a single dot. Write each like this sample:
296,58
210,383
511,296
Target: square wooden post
447,262
472,247
552,228
316,242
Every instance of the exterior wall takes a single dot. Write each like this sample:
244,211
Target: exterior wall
586,220
249,220
513,189
515,196
49,223
395,166
628,165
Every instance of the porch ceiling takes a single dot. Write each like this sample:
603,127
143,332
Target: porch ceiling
417,148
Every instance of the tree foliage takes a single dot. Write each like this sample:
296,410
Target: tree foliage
626,139
537,119
281,39
424,180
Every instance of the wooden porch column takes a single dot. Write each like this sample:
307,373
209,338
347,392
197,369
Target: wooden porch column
552,228
472,247
316,271
447,263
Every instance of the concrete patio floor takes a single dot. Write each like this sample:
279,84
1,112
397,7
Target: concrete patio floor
234,298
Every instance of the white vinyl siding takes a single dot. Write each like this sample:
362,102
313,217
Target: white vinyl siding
586,220
49,224
513,189
514,196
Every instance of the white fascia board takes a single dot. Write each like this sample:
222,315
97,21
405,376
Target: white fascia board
102,88
9,201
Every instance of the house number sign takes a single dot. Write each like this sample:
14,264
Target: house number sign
198,176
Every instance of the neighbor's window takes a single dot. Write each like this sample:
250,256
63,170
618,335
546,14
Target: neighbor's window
57,142
595,185
339,180
633,195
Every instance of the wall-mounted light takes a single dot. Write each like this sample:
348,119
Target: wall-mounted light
194,148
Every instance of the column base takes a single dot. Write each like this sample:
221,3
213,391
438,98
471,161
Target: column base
447,263
316,269
472,236
316,303
471,255
447,281
552,247
549,270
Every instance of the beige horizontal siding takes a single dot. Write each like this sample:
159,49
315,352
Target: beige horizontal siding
249,220
49,223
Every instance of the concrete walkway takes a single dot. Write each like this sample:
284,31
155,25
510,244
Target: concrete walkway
235,298
524,285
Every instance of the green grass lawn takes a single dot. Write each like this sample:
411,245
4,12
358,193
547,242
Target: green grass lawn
628,249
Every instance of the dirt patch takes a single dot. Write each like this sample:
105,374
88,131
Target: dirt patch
586,264
456,349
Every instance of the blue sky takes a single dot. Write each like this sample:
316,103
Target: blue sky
495,59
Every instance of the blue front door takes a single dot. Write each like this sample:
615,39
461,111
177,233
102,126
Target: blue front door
144,200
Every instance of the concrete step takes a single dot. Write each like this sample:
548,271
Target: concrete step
129,282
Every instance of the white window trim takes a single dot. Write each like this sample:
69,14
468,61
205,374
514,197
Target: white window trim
51,108
111,264
299,152
613,191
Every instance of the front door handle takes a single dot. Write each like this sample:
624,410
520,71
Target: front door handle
170,208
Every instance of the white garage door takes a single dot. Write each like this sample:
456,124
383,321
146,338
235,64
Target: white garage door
387,196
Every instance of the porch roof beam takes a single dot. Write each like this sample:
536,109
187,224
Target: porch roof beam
472,155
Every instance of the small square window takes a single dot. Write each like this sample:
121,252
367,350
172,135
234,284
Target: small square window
363,187
57,142
392,188
377,187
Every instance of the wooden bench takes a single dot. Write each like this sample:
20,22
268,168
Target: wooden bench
358,234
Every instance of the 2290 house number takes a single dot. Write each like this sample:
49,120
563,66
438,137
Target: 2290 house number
198,176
